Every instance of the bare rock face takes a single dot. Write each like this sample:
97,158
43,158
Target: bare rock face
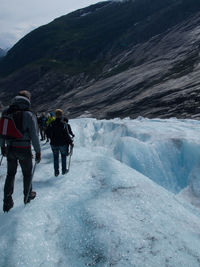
166,85
154,75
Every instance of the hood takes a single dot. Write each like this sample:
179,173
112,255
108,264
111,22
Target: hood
22,102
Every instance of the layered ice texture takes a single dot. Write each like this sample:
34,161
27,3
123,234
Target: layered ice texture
131,198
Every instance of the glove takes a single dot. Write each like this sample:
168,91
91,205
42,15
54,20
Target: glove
38,157
3,151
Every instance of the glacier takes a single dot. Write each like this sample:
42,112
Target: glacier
131,198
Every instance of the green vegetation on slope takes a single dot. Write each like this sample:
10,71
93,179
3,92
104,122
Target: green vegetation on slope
79,41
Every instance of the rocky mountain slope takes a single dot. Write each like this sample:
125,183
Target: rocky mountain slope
112,59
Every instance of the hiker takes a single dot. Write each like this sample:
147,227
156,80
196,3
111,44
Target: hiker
50,118
19,150
65,119
59,139
42,120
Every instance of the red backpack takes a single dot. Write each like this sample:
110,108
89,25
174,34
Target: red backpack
11,125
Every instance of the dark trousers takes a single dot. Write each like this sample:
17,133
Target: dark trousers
42,133
63,151
24,157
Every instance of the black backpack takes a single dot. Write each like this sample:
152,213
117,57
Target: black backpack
57,131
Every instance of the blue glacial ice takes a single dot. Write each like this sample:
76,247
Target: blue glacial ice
131,198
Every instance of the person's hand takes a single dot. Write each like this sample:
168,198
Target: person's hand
37,157
3,151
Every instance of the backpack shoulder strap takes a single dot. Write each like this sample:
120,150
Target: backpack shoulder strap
18,119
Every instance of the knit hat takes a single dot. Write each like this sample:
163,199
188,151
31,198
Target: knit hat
25,93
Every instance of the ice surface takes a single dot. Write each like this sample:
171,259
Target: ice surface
131,198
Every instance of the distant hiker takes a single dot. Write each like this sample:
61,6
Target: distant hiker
65,119
19,149
60,138
50,118
42,122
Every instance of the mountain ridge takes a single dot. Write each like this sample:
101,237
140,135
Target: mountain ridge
2,52
98,57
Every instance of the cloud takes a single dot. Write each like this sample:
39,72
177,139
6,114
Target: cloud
7,40
14,33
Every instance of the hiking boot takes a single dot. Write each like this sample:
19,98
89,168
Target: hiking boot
64,172
8,204
31,196
57,173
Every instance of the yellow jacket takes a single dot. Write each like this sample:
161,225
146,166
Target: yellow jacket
50,119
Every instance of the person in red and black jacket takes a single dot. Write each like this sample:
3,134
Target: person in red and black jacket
20,150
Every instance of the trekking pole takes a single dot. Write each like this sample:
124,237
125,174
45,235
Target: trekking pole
1,160
29,188
70,155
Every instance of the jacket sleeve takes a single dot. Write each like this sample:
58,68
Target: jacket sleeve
2,140
70,130
33,130
68,138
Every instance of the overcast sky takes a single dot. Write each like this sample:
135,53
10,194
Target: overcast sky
18,17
